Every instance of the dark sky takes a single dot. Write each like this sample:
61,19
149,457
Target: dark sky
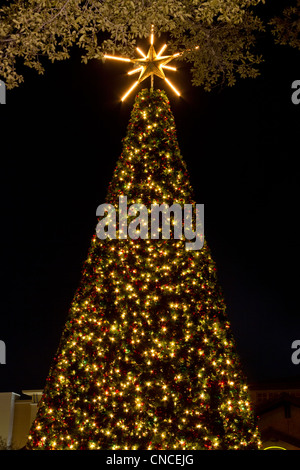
60,140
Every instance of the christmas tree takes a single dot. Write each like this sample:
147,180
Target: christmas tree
147,359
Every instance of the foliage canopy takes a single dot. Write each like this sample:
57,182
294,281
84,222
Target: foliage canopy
225,31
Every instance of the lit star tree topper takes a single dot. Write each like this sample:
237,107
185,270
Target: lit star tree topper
149,65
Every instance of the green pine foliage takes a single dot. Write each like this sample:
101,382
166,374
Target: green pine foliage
147,359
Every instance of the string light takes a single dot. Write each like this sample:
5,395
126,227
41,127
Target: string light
146,360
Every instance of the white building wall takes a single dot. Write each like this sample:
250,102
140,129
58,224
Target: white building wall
16,417
7,408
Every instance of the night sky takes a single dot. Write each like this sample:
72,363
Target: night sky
61,137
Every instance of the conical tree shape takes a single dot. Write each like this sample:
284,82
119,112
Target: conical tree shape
146,359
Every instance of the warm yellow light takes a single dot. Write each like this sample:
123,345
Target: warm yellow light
135,70
150,65
172,86
124,59
169,67
129,91
152,35
162,50
141,52
274,447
